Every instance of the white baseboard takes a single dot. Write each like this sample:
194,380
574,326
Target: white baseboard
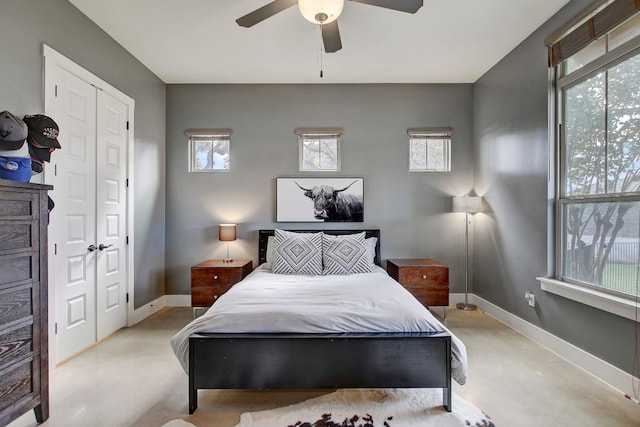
158,304
179,300
604,371
148,309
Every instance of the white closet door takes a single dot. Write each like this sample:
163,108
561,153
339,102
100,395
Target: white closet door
72,225
89,252
111,214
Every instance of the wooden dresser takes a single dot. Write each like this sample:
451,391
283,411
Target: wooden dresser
210,279
426,279
24,365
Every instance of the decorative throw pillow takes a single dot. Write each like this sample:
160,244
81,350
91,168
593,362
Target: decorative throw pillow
345,254
297,253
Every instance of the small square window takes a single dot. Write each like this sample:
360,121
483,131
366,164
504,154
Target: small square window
319,149
209,150
430,150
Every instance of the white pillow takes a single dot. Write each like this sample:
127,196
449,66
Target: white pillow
371,249
297,253
270,250
345,254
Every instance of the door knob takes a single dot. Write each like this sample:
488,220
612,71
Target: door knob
102,246
92,248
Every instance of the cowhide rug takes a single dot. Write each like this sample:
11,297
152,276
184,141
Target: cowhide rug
372,408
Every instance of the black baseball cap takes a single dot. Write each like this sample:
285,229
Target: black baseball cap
43,136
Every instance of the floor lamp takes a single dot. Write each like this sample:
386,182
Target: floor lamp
467,205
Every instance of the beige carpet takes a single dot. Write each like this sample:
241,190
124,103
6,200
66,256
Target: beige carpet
375,408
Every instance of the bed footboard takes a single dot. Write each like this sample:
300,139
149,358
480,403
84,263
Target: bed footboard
319,361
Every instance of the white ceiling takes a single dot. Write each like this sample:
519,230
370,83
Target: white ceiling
198,41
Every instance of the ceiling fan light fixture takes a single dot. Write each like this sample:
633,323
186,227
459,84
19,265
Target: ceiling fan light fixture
321,11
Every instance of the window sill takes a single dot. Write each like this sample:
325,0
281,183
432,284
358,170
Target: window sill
624,307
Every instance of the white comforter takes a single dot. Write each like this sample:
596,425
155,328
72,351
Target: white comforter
267,302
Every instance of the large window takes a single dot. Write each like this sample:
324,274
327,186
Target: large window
598,195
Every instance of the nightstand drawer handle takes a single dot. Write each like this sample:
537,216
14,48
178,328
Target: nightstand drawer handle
215,277
424,276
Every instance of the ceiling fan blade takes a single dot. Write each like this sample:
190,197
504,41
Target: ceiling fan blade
266,11
409,6
331,37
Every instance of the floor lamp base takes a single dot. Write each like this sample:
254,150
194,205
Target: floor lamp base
466,307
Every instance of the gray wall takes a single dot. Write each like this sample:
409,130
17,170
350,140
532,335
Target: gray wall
411,209
511,165
24,26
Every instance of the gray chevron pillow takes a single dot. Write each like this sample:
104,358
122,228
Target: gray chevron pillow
297,253
345,254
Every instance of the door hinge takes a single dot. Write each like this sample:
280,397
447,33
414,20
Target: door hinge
56,91
127,182
127,124
55,249
127,297
127,240
56,328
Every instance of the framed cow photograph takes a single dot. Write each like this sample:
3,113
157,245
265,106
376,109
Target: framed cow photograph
319,199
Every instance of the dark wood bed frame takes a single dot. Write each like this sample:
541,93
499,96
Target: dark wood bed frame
319,361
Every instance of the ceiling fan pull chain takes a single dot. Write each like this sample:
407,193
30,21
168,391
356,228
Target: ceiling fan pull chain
321,49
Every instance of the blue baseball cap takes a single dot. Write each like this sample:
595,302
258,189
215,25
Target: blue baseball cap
15,168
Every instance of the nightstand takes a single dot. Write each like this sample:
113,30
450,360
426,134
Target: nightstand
426,279
212,278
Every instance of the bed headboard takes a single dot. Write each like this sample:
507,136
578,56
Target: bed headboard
264,237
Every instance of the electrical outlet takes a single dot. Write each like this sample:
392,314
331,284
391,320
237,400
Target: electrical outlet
531,298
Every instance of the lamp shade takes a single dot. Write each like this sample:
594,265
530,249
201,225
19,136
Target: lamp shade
467,204
227,232
320,11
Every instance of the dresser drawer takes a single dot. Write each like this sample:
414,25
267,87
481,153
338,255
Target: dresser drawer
15,344
17,235
430,295
18,206
424,276
17,268
16,383
215,277
205,296
15,304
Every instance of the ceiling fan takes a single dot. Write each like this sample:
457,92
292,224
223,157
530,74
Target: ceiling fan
325,13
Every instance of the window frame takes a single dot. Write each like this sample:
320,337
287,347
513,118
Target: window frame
442,135
198,135
617,302
320,134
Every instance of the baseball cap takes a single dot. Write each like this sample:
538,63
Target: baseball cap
43,136
43,131
13,131
15,168
20,152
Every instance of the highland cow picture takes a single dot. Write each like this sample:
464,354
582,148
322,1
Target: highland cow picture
319,199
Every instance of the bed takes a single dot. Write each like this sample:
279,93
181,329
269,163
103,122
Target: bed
358,348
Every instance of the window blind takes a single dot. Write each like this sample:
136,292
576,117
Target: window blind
208,133
319,131
430,132
614,14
